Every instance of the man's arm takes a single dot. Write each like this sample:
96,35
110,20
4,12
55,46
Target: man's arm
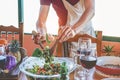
41,22
40,35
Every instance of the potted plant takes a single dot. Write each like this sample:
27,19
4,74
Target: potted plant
108,50
14,49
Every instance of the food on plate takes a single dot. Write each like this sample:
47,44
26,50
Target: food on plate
47,69
50,66
111,66
37,53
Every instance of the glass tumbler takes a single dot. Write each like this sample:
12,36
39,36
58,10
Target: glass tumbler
79,73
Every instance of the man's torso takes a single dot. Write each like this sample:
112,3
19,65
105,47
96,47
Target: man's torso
59,8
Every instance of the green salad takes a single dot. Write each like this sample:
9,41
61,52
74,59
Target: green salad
50,67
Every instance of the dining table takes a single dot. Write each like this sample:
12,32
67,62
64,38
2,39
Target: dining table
93,73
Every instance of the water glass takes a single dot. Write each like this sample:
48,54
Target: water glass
84,42
82,47
79,73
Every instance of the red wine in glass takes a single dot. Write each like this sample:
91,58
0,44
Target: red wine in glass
88,62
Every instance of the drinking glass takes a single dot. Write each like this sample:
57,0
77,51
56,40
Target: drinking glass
84,46
88,61
79,73
87,54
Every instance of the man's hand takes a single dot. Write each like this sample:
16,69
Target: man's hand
65,33
43,41
37,38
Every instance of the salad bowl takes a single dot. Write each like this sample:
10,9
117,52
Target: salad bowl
31,61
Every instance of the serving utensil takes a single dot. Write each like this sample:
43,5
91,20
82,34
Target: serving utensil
52,48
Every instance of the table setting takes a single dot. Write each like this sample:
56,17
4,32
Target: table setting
87,65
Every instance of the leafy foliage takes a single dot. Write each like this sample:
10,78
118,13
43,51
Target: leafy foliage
14,46
62,69
108,49
46,54
37,53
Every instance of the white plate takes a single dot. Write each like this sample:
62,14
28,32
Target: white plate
35,60
111,79
108,60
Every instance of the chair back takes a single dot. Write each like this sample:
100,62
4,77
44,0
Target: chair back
12,33
97,40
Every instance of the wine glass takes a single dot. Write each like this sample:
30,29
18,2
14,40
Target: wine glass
84,45
88,61
87,54
84,49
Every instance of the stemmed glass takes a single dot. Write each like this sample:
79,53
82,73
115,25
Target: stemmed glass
88,56
84,46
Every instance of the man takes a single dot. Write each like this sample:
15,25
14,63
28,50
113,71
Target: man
74,18
62,13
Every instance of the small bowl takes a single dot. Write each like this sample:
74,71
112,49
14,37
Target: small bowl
109,65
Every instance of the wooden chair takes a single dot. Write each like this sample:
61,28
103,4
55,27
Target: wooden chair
11,33
64,48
